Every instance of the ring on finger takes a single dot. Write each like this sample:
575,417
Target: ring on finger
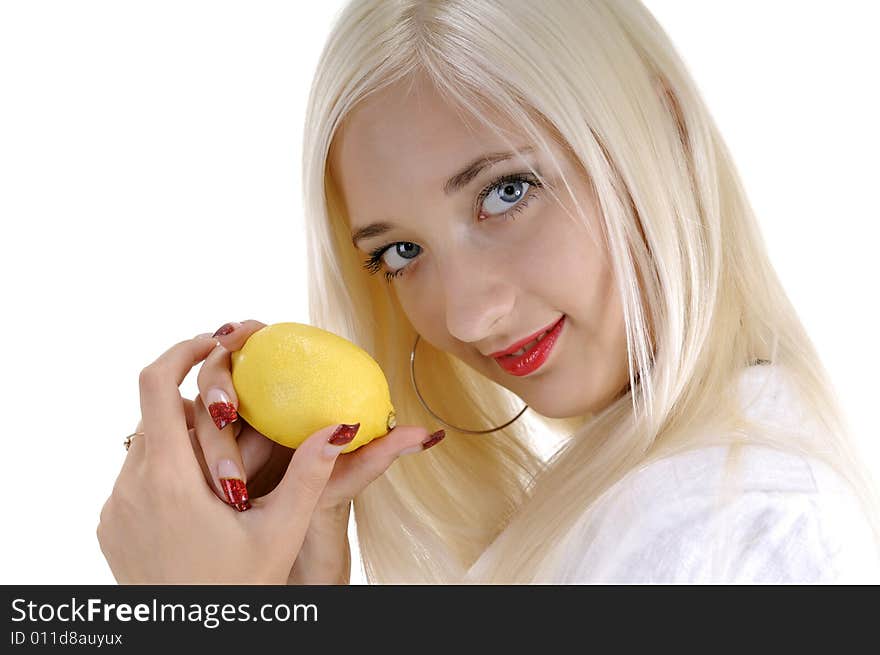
128,439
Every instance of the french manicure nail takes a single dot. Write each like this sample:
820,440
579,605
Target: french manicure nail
233,486
435,438
226,328
221,409
342,436
432,440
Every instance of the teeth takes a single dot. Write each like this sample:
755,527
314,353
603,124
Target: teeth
530,344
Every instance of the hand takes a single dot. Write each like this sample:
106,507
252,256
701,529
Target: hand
325,556
162,524
262,461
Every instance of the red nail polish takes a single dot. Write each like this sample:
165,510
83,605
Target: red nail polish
435,438
225,329
343,434
236,493
223,414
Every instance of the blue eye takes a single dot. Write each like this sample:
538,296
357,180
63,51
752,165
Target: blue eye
505,196
510,192
403,250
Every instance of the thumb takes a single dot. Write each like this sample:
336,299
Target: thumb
294,499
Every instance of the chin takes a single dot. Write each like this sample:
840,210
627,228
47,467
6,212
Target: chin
556,410
578,403
552,406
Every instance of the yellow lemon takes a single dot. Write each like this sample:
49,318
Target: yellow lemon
293,379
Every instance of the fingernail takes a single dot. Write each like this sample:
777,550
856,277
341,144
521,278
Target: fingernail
221,409
233,486
342,436
433,439
226,328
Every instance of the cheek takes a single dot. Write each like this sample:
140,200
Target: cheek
423,308
563,265
608,326
577,279
611,348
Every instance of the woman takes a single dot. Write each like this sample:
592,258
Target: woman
537,176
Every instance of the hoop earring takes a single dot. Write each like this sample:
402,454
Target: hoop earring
412,374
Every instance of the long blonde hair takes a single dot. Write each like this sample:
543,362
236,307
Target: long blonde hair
701,300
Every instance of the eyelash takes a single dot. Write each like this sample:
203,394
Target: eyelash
374,262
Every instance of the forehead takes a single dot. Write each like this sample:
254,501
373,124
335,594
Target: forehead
409,138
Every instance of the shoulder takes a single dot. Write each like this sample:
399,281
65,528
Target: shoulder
790,518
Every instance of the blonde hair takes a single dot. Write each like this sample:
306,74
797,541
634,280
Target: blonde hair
700,298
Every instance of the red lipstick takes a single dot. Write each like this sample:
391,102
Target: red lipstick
535,356
519,344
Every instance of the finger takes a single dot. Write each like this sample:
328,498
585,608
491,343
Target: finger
197,450
188,410
355,470
223,459
233,335
190,424
293,501
216,390
200,456
162,408
215,377
255,449
134,454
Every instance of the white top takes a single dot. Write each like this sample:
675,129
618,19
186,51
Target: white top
796,520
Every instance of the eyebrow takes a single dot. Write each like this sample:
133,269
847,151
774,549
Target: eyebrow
453,185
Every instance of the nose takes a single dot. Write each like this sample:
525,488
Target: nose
476,296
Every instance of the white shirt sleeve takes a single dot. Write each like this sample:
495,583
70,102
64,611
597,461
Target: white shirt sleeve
794,522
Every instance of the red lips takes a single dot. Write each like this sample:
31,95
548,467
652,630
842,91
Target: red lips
519,344
535,356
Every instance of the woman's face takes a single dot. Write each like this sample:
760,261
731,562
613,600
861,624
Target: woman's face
477,275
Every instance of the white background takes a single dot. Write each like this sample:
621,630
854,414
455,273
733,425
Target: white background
149,191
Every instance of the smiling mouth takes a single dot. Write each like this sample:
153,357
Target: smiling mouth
533,355
531,344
